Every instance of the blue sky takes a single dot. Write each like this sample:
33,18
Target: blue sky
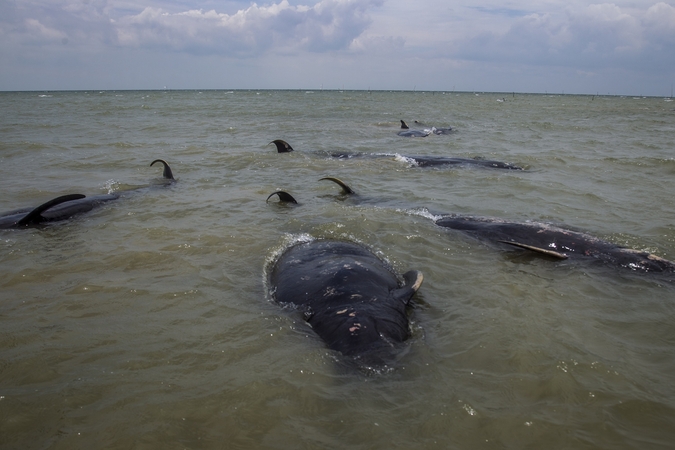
555,46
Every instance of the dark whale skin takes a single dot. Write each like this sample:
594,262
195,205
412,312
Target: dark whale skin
351,298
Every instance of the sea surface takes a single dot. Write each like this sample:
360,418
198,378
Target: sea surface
148,324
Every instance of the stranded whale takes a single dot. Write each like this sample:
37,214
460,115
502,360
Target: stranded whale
407,132
557,242
553,241
434,130
63,207
351,298
421,161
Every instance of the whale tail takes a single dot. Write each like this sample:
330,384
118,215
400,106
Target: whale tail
35,216
283,197
282,146
167,170
345,189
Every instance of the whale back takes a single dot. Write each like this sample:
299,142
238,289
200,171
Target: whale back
351,298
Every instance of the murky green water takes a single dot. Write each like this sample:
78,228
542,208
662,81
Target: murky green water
146,323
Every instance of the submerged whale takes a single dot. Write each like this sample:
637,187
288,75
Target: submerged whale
63,207
407,132
549,240
351,298
434,161
59,208
420,161
556,242
434,130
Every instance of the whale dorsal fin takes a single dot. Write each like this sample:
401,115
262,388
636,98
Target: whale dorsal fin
404,126
543,251
167,170
35,216
282,146
412,282
283,197
346,189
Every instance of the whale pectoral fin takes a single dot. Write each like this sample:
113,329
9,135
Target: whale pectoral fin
537,249
346,189
167,170
283,197
35,216
282,146
412,282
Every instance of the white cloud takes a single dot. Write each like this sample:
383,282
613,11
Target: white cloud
328,25
494,44
659,23
591,36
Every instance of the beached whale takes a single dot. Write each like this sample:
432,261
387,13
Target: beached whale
549,240
420,161
63,207
285,197
351,298
59,208
556,242
434,130
407,132
424,132
434,161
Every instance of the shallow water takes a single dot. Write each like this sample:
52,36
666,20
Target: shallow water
146,323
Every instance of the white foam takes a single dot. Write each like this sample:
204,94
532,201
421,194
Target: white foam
111,186
421,212
405,159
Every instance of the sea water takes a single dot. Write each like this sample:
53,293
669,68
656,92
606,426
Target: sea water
147,323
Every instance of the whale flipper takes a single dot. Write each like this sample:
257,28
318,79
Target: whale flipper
346,189
282,146
283,197
413,280
167,170
35,216
537,249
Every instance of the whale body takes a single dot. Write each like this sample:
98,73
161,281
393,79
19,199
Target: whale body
550,240
59,208
434,161
407,132
351,298
434,130
64,207
556,242
420,161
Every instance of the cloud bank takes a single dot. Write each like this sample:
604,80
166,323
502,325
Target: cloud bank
598,35
329,25
395,43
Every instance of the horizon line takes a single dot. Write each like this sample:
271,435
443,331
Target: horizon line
321,89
